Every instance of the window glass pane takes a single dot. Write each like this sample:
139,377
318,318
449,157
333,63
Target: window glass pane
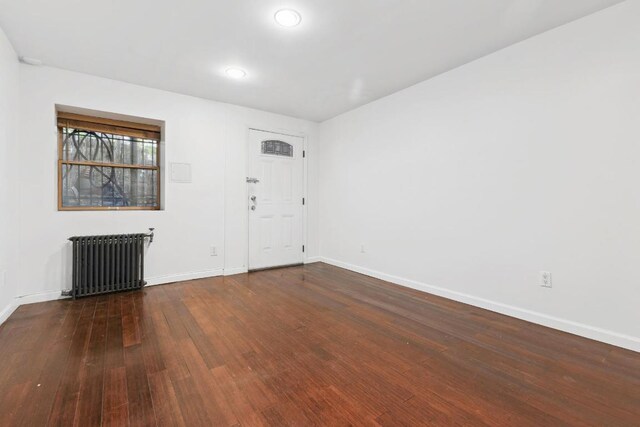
100,186
88,146
277,148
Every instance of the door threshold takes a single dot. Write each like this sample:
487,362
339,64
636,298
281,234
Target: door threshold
253,270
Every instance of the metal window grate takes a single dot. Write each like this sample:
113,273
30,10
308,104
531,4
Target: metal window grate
100,169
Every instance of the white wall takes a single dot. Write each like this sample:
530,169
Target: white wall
8,127
470,183
210,211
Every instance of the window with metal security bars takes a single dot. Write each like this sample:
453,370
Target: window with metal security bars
107,164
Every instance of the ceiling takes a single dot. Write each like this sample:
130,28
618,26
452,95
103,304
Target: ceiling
345,53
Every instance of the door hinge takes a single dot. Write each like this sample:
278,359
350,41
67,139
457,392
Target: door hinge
304,154
302,248
303,200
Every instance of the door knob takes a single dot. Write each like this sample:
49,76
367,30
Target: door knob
253,198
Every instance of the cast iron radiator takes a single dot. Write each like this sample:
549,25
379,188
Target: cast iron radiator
111,263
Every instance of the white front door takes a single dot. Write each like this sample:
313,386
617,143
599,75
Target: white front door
275,184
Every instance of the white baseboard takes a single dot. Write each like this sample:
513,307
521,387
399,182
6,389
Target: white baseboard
236,270
7,311
170,278
28,299
592,332
55,295
39,297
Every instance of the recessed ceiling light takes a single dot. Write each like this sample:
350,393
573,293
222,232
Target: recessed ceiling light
287,17
235,73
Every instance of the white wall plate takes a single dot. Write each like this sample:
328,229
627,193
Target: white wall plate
181,172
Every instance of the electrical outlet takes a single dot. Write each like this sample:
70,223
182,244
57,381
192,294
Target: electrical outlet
213,251
545,279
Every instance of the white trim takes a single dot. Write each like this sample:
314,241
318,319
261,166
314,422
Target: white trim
279,132
170,278
55,295
587,331
39,297
29,299
7,311
592,332
152,281
236,270
305,196
313,259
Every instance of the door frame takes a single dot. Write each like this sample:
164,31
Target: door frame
305,181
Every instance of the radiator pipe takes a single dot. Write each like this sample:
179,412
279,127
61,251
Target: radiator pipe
150,235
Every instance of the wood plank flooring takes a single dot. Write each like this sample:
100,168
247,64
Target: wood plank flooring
312,345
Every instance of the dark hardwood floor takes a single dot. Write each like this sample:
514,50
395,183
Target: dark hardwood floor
312,345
